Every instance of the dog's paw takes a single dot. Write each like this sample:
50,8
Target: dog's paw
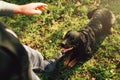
67,60
72,63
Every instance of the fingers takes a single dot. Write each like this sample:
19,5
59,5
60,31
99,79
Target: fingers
37,12
35,8
41,6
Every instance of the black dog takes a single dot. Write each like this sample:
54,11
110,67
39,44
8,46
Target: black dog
82,43
14,63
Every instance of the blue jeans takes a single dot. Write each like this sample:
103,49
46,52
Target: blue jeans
37,62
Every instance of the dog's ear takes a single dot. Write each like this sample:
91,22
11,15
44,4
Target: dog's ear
90,13
67,33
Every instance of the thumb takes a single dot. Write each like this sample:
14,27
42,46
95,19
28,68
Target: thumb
37,12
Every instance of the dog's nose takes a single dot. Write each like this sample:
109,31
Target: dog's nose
62,44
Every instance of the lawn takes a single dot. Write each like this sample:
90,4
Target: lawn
44,33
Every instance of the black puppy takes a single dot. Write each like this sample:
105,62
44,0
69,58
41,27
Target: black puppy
82,43
14,64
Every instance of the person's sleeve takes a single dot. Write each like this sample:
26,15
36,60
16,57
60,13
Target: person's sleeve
6,9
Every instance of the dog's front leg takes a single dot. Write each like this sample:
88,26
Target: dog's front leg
67,59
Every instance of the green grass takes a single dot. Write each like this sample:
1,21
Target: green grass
44,33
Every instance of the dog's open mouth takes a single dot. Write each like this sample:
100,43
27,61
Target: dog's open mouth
64,50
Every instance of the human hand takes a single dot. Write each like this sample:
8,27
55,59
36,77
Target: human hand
30,9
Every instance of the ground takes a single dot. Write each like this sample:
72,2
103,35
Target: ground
44,33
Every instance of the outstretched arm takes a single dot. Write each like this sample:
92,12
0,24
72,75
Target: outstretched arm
26,9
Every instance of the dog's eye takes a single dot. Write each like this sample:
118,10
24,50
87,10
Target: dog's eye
71,38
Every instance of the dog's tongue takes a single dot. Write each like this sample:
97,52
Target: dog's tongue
64,50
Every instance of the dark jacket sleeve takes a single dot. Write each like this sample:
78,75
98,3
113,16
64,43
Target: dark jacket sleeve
6,9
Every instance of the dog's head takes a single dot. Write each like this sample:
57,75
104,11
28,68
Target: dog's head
71,41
